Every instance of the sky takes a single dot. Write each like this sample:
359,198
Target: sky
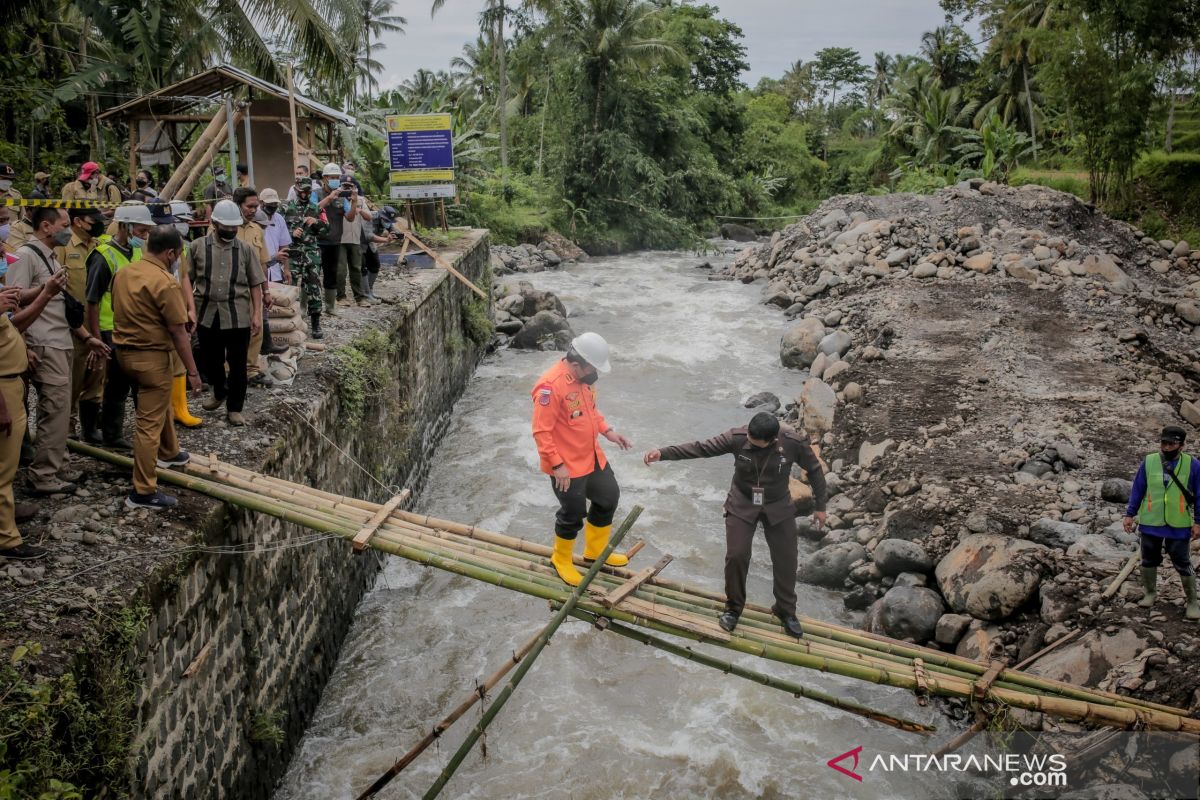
777,32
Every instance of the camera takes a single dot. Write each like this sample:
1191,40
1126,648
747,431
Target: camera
344,193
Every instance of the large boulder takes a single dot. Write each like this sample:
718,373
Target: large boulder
988,576
894,556
1116,490
817,406
835,344
910,613
545,331
763,401
1056,533
1087,660
1103,266
830,565
1093,547
534,300
799,344
738,233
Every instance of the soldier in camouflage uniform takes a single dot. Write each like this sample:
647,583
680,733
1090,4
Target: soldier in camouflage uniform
305,223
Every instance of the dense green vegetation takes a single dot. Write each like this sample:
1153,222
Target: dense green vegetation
627,122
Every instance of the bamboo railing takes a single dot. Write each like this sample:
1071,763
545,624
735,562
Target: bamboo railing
661,606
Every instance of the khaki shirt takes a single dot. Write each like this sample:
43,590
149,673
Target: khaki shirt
18,212
105,190
146,300
251,234
32,271
222,277
73,256
19,233
13,358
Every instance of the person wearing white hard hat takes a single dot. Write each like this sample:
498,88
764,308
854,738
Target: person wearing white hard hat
133,222
340,204
51,338
228,282
566,424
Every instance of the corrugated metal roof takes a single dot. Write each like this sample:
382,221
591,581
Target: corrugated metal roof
208,85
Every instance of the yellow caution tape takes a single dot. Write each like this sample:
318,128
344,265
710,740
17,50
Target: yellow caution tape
9,201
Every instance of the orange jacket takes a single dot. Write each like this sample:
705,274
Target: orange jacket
566,422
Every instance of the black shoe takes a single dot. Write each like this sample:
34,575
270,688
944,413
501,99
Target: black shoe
178,460
728,621
119,443
315,331
790,624
262,380
24,552
155,502
92,437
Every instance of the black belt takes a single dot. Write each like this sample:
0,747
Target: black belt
9,377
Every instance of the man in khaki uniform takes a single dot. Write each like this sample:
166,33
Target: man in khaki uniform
92,184
150,319
251,235
87,384
13,362
52,339
19,230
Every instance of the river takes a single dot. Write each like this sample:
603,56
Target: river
598,716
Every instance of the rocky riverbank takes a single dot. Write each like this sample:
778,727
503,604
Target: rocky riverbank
987,367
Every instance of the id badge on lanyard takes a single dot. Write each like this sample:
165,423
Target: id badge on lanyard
757,495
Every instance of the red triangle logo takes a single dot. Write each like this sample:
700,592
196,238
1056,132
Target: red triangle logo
833,762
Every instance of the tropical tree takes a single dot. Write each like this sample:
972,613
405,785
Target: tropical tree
838,67
931,121
376,18
951,54
880,82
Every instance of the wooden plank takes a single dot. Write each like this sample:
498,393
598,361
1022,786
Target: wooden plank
360,540
630,586
637,547
1060,641
441,262
1121,576
979,688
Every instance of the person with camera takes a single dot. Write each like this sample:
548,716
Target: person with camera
341,249
51,339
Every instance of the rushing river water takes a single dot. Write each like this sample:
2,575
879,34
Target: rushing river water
598,716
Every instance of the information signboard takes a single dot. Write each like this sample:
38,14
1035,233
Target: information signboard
424,192
420,141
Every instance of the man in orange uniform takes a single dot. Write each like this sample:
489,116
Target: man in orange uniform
566,423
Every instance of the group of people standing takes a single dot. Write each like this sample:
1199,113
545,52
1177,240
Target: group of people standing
99,305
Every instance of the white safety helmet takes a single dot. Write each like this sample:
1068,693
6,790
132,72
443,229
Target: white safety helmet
227,213
182,211
331,170
133,213
593,349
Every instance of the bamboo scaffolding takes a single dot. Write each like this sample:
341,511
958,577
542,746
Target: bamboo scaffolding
856,641
660,605
543,639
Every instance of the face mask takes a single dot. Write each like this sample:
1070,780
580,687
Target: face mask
61,238
4,232
334,183
226,235
5,186
183,228
96,229
1170,455
219,177
143,182
588,380
137,242
270,210
303,196
91,181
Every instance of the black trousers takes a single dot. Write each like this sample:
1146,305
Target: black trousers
329,265
781,541
600,488
370,261
219,346
1177,549
117,389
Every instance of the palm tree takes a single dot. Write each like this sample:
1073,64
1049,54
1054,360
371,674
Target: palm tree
882,75
377,19
799,85
930,120
609,34
1017,42
949,52
492,18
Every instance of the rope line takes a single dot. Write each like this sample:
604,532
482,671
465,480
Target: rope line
393,490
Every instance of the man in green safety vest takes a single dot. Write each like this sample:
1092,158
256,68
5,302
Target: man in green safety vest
1162,504
124,247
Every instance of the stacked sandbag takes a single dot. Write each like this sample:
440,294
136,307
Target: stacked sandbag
288,327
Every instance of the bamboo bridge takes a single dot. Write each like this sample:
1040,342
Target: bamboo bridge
641,605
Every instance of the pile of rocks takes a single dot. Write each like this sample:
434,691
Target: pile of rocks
529,319
554,251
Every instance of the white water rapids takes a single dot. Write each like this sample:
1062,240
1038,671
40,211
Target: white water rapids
599,716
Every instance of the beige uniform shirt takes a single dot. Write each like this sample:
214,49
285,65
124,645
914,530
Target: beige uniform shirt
32,270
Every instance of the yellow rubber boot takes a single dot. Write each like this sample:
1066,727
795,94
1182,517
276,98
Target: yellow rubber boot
564,551
595,539
179,402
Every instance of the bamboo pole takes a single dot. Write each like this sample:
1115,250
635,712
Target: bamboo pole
170,190
523,669
209,154
437,730
795,689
